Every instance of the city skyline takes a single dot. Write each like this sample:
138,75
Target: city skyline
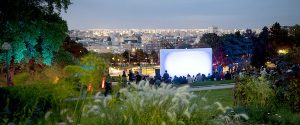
180,14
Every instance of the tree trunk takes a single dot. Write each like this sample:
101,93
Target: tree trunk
12,68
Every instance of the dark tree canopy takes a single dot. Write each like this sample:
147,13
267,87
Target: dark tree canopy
295,34
34,28
259,49
212,39
76,49
278,39
237,48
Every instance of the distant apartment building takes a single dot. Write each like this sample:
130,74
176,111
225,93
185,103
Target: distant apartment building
132,42
151,46
212,29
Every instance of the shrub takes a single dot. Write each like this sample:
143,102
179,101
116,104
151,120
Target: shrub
27,104
253,91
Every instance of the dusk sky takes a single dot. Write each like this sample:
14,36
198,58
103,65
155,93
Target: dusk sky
227,14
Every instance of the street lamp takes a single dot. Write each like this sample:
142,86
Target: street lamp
6,46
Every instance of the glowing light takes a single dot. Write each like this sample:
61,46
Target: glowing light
103,83
133,49
181,62
55,79
283,51
90,88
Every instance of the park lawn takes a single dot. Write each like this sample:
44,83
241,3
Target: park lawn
205,83
224,96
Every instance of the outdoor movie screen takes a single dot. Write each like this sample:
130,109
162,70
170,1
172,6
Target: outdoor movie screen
181,62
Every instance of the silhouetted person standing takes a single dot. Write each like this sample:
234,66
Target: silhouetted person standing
166,77
108,87
124,79
138,77
131,76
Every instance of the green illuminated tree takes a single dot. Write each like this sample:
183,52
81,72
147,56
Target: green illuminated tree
91,70
34,29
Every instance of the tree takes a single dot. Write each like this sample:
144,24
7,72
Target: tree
154,56
295,34
76,49
33,28
125,55
259,56
237,49
214,41
91,70
139,56
278,39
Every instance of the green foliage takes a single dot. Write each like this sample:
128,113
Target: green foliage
92,69
148,105
64,58
27,104
33,28
270,115
237,48
21,78
253,91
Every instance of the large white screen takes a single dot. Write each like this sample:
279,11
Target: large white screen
181,62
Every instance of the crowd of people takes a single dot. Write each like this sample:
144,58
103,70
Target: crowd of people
157,79
136,77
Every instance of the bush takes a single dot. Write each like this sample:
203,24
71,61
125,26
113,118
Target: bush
253,91
27,104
